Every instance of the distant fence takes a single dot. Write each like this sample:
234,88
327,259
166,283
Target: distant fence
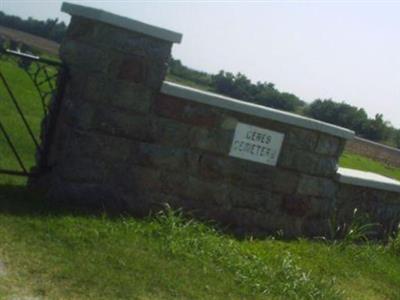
380,152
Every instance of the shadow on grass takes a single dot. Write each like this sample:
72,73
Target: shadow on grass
18,199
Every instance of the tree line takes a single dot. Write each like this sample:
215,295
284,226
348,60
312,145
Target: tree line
241,87
265,93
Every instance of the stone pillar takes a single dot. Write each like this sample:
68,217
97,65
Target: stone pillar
116,67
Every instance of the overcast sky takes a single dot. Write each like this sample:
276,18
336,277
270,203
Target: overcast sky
345,50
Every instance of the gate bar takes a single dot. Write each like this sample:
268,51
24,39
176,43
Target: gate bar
14,100
21,164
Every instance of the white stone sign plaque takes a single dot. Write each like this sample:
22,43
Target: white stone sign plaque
256,144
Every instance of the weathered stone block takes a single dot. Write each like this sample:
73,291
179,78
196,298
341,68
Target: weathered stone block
169,132
328,145
84,170
307,162
228,123
80,29
208,192
361,195
301,139
118,94
248,174
118,123
160,157
114,38
82,56
77,82
245,198
321,207
305,206
106,147
296,206
61,137
191,188
254,199
132,69
284,182
316,186
317,227
137,69
249,220
78,115
134,43
187,112
143,179
213,140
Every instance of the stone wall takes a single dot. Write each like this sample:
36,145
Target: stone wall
164,149
375,206
187,144
375,197
127,141
114,75
376,151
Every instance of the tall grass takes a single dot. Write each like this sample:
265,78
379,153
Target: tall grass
280,277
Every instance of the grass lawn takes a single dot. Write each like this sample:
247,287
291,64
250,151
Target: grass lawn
57,254
30,104
60,255
354,161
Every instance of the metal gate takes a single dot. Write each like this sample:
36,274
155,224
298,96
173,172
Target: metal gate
30,90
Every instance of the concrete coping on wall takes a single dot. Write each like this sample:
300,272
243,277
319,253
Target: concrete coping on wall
122,22
220,101
368,179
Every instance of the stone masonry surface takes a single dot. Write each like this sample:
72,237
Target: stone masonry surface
387,155
128,141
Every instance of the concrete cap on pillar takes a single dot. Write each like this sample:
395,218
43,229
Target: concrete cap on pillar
122,22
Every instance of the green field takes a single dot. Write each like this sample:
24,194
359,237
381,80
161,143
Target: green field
56,254
51,254
21,87
354,161
30,104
